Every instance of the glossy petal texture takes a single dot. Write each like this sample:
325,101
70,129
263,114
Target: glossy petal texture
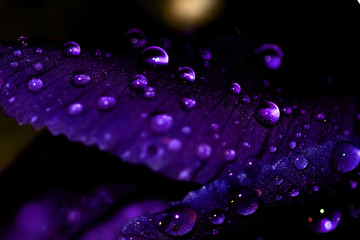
192,145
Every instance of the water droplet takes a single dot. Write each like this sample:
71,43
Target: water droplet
277,180
154,57
298,134
23,41
161,123
138,81
247,202
188,103
292,144
149,92
217,217
135,38
16,53
97,53
75,109
12,99
37,66
80,79
71,49
294,192
35,84
299,160
345,157
178,222
287,110
205,54
235,88
186,74
105,103
320,116
174,144
130,237
307,126
38,50
245,99
273,149
267,114
229,155
186,130
324,221
271,55
13,64
203,151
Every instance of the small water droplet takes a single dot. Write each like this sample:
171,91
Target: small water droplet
154,57
186,74
75,109
294,192
277,180
203,151
178,222
149,92
188,103
267,114
345,157
35,84
13,64
105,103
273,149
307,126
37,66
135,38
287,110
71,49
217,217
138,81
161,123
186,130
12,99
320,116
271,55
235,88
229,155
16,53
38,50
299,160
97,53
80,79
292,144
205,54
245,99
174,144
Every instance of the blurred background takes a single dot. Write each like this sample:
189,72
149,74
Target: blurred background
325,32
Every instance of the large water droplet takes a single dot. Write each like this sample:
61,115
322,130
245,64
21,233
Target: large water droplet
235,88
138,81
80,79
271,55
186,74
267,114
75,109
299,160
35,84
179,221
135,38
324,220
161,123
154,57
345,157
247,202
71,49
217,217
105,103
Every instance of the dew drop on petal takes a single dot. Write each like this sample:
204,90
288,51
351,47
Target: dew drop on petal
271,55
235,88
345,157
138,81
267,114
154,57
71,49
75,109
23,41
105,103
80,79
203,151
161,123
178,222
16,53
299,160
186,74
247,202
229,155
294,192
37,66
277,180
188,103
216,217
149,92
35,84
